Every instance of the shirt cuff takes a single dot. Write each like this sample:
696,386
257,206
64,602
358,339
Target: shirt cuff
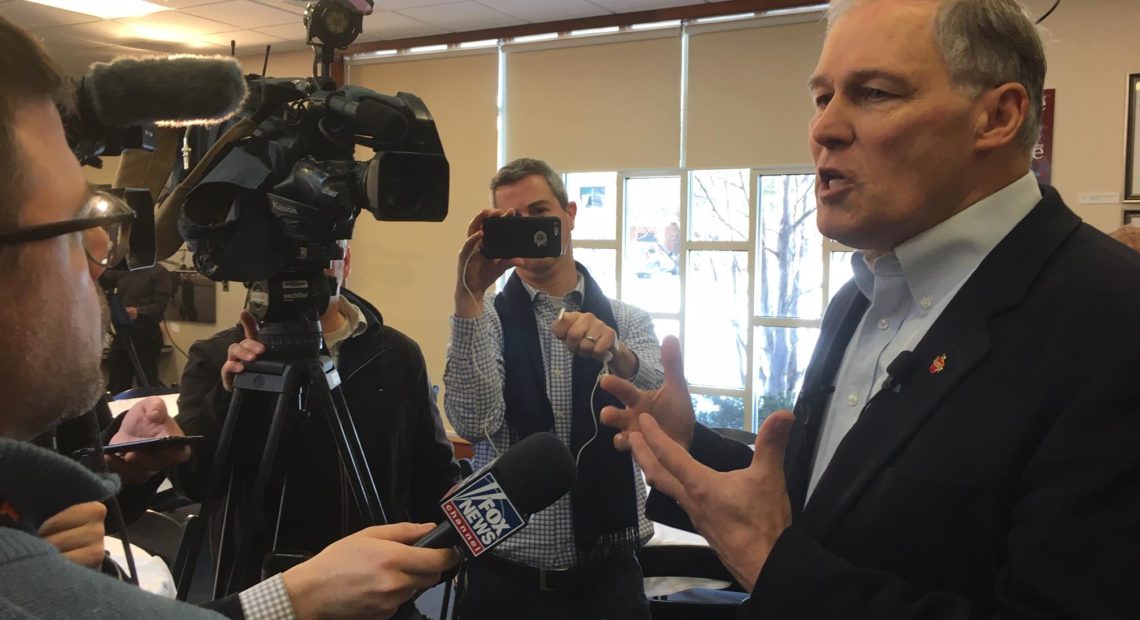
642,379
268,600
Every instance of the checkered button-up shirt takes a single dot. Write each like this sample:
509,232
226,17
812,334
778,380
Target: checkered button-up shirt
474,404
268,600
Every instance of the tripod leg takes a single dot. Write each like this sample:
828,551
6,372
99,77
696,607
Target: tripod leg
238,559
348,443
133,354
194,535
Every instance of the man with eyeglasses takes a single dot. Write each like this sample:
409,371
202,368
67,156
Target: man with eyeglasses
56,235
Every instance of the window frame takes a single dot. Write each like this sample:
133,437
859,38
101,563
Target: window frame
749,246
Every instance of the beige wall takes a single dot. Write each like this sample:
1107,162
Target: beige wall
747,101
596,107
1091,48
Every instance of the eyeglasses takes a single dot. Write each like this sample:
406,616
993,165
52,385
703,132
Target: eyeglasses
104,220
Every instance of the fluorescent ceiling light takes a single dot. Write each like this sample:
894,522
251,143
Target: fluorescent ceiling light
484,43
795,10
669,23
530,38
423,49
105,9
590,31
724,18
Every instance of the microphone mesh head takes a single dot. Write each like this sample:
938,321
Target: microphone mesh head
535,472
174,90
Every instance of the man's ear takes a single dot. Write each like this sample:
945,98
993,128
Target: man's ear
1003,111
572,211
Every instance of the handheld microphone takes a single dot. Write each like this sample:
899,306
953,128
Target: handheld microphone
176,90
497,501
900,369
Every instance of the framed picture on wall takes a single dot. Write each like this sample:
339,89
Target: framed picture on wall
1131,140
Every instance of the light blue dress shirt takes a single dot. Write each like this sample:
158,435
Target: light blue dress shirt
909,288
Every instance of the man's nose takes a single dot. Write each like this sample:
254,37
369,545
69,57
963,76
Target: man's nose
831,126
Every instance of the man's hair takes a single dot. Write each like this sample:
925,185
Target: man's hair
524,167
987,43
29,76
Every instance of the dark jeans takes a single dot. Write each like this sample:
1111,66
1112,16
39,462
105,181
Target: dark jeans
614,590
147,337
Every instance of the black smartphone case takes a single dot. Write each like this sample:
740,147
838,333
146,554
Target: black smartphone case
522,237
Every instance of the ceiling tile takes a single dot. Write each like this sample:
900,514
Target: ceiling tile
386,25
393,5
245,14
461,16
178,22
293,6
629,6
181,4
285,32
535,12
32,16
93,34
246,39
168,40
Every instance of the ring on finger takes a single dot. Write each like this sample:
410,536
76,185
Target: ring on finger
591,339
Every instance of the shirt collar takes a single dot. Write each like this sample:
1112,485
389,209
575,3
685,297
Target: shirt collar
575,297
354,325
937,261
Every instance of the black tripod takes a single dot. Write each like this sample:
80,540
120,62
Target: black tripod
304,383
123,324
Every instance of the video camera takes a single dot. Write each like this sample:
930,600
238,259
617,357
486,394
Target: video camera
280,188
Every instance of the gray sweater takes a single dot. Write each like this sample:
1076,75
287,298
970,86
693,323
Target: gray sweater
35,580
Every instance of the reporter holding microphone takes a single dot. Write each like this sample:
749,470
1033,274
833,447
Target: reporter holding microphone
47,244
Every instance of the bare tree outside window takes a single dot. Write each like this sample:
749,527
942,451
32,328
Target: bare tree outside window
789,279
743,247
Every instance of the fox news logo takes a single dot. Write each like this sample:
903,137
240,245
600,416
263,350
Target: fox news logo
483,515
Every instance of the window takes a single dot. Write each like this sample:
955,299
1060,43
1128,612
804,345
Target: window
729,261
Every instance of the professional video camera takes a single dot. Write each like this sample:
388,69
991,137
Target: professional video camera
280,195
269,204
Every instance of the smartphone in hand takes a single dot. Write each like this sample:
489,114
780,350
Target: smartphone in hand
522,237
145,445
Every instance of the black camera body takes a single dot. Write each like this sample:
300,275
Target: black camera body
276,204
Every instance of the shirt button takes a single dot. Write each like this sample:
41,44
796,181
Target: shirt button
883,324
557,372
853,400
925,302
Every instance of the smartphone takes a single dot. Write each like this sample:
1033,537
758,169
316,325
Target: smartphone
522,237
149,445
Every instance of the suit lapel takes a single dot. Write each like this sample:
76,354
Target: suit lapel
957,342
819,383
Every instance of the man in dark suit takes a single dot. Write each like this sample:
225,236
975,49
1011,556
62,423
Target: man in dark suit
992,470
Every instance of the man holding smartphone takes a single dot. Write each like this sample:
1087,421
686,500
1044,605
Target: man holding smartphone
528,360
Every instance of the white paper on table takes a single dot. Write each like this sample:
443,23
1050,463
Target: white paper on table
154,575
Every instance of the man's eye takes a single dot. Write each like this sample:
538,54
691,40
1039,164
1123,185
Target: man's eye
821,101
874,94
